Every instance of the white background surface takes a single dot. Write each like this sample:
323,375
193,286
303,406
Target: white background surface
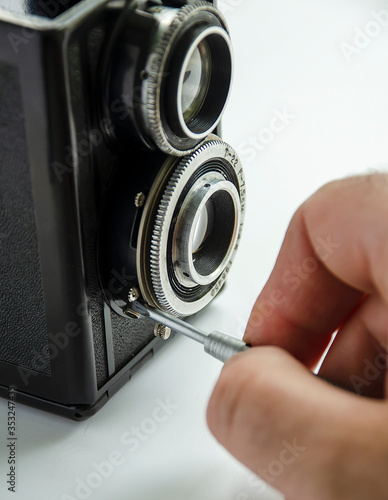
288,56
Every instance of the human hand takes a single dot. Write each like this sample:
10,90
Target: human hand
305,434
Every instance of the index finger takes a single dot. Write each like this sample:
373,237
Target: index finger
335,250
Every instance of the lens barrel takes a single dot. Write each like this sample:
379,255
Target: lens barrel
172,227
178,272
169,75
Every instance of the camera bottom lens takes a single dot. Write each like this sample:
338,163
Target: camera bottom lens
214,203
190,228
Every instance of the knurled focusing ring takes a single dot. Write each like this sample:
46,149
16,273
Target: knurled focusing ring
183,262
189,75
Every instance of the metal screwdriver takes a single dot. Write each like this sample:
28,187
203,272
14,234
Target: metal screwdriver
217,344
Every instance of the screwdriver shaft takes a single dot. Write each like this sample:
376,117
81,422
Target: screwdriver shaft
175,324
219,345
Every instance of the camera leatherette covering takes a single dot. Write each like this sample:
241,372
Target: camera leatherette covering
22,314
129,338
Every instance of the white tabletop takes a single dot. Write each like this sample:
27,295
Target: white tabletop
298,59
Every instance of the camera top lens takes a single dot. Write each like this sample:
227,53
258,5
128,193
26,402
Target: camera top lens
194,84
170,75
204,84
189,87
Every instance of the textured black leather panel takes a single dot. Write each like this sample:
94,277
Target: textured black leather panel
130,336
23,330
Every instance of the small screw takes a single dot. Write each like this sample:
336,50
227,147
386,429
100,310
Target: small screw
162,331
140,199
133,294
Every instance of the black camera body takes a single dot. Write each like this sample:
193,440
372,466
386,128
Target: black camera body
108,164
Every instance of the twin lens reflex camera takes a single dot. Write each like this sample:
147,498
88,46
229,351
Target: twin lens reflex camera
114,187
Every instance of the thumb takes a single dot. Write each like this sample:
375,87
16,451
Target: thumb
294,430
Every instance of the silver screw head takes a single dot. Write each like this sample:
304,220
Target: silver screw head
133,294
162,331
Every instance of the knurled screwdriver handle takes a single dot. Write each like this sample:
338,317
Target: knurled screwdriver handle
222,346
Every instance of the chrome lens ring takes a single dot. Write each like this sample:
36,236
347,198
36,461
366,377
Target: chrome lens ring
217,82
181,32
179,272
201,263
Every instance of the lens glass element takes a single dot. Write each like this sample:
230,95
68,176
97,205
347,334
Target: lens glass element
197,97
204,227
197,76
